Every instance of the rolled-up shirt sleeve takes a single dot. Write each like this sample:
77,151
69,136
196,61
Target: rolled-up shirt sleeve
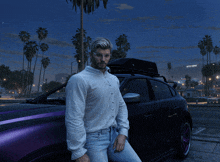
75,110
122,117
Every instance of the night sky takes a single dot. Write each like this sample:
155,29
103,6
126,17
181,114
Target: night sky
158,30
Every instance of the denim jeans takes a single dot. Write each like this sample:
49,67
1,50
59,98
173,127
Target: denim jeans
99,147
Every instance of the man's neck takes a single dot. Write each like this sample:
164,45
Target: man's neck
102,70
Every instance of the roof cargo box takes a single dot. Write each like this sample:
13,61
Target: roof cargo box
133,66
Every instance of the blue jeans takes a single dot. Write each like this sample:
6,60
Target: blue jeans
99,147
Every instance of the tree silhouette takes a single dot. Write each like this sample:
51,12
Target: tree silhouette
44,47
187,82
216,51
206,47
24,36
86,44
30,50
88,6
45,62
42,34
122,47
122,43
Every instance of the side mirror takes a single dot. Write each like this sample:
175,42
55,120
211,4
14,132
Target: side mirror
131,97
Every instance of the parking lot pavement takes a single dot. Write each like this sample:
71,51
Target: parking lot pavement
205,146
204,151
201,151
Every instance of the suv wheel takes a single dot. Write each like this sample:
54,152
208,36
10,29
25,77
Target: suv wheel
184,141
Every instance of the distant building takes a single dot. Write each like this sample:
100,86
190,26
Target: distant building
2,90
179,73
61,77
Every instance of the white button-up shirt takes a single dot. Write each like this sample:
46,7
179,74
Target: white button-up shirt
93,102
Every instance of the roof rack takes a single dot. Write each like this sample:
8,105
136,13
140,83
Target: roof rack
134,66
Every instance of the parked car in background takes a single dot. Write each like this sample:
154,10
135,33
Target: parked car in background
160,123
213,100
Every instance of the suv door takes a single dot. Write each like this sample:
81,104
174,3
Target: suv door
141,117
166,102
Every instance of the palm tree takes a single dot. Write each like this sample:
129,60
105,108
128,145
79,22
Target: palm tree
122,43
42,34
24,36
88,6
30,50
202,51
44,47
45,62
208,46
216,51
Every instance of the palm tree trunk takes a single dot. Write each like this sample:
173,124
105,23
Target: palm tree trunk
30,80
207,58
82,50
39,78
44,73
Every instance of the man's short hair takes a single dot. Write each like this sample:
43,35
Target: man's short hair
102,43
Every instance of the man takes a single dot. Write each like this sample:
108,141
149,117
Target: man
96,114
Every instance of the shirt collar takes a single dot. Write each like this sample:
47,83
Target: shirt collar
96,71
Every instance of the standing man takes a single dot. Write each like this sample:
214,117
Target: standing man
96,114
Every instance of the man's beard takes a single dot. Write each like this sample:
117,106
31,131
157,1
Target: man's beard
97,65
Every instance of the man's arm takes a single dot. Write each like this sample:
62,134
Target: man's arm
123,124
75,109
122,116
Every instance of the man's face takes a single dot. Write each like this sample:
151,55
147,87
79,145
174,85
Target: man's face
100,58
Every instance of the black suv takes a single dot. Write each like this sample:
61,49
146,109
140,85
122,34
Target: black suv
160,123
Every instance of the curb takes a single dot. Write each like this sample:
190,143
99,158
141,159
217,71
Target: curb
206,139
204,105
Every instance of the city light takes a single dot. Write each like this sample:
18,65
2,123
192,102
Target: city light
210,79
191,66
217,77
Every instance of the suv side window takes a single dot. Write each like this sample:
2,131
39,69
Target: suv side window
137,86
161,90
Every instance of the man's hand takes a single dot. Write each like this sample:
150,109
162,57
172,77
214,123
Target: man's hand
119,143
84,158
